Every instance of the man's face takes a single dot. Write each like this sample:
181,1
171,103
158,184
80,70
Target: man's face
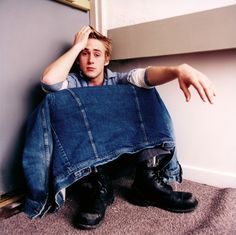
92,60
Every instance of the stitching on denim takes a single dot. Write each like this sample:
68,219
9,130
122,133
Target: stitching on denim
139,114
62,151
45,135
83,112
51,102
48,156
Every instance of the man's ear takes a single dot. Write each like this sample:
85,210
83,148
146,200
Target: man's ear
107,61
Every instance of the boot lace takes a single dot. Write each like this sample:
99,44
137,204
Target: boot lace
159,179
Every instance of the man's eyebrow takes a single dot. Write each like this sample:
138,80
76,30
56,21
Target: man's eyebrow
96,50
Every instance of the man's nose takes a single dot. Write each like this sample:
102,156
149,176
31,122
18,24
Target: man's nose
91,59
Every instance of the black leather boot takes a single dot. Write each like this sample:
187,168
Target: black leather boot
149,189
95,193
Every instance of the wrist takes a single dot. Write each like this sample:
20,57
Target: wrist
181,69
77,48
174,71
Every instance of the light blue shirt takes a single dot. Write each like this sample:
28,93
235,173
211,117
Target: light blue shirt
136,77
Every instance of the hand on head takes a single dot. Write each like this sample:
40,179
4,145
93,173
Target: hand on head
82,36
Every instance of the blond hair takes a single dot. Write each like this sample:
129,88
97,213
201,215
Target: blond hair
105,40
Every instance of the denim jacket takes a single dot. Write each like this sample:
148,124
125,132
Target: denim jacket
76,129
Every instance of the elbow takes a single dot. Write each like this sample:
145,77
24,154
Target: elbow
45,79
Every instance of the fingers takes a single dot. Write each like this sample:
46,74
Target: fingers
205,91
189,76
201,91
209,91
86,30
186,91
82,35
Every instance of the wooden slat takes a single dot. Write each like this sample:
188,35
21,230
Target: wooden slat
9,200
79,4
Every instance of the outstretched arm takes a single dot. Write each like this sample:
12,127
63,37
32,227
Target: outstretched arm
187,76
59,69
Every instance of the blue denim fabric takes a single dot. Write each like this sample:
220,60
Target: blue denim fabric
76,129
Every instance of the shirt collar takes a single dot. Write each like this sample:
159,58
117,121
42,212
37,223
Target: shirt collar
108,74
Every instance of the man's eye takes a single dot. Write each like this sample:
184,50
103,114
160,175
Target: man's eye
96,54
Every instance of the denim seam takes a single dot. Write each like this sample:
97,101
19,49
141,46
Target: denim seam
47,154
64,155
55,136
45,137
140,115
83,112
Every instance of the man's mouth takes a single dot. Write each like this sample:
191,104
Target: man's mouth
90,68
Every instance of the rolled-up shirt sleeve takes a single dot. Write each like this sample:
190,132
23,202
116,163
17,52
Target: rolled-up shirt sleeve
138,77
70,82
55,87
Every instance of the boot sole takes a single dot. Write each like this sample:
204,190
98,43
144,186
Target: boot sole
143,203
88,227
136,199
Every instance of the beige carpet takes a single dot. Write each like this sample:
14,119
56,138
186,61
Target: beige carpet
216,214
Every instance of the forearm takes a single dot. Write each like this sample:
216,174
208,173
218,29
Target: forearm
187,76
59,69
157,75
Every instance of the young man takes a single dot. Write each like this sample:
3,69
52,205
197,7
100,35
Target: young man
92,52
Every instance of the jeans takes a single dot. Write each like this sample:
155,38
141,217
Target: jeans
74,130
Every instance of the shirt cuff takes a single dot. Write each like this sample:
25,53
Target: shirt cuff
55,87
138,77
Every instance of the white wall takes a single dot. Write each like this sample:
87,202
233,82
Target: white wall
122,13
205,133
